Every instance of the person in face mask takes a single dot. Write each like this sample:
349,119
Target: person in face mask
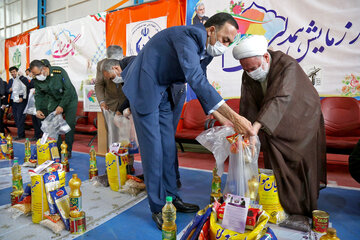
55,92
279,99
175,55
200,14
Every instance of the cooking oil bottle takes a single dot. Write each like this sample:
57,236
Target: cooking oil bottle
93,171
169,216
75,196
27,150
17,183
10,147
215,187
64,156
330,235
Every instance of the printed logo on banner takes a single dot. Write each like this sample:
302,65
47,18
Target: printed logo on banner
64,44
17,58
139,33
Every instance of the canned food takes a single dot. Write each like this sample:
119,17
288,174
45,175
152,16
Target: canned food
78,225
320,221
93,173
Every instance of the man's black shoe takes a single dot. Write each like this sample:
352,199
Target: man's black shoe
178,183
157,217
185,207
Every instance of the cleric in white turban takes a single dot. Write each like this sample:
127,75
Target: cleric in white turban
284,107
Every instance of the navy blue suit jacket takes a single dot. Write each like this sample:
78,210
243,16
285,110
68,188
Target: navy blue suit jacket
171,56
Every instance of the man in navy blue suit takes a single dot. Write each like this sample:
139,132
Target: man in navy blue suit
175,55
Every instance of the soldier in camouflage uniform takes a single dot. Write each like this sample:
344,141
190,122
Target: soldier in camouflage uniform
55,92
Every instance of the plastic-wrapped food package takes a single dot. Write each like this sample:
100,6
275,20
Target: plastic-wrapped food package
54,125
30,106
243,161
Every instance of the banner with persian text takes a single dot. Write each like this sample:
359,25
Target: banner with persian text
324,37
76,46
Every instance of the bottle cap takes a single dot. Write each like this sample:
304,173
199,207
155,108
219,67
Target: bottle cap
75,175
27,139
331,231
16,161
169,199
92,146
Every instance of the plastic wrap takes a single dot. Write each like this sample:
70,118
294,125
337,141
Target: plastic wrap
121,129
243,158
30,106
54,125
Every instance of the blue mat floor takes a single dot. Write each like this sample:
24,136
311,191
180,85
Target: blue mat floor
343,205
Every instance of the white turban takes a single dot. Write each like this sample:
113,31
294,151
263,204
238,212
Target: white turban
254,45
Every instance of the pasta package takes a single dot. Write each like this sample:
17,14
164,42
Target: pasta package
269,197
52,182
116,169
62,201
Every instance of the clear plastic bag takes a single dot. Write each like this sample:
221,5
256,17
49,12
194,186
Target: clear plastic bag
243,161
30,106
120,129
54,125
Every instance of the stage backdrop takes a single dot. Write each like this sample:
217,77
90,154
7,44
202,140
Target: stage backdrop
131,28
76,46
17,53
323,36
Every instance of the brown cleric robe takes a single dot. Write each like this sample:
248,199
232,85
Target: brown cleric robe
293,134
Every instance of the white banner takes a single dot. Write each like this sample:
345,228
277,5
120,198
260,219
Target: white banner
17,57
2,60
76,46
139,33
91,103
323,36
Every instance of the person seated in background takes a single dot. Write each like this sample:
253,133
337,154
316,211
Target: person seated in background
36,121
3,104
18,87
55,92
284,107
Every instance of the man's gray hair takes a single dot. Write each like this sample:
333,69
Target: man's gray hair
114,52
108,64
198,5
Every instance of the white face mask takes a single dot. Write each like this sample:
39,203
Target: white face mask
117,79
260,74
215,50
41,77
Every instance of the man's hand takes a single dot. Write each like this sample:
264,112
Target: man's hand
118,113
3,107
40,114
10,90
104,106
21,100
59,110
243,126
256,127
127,112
